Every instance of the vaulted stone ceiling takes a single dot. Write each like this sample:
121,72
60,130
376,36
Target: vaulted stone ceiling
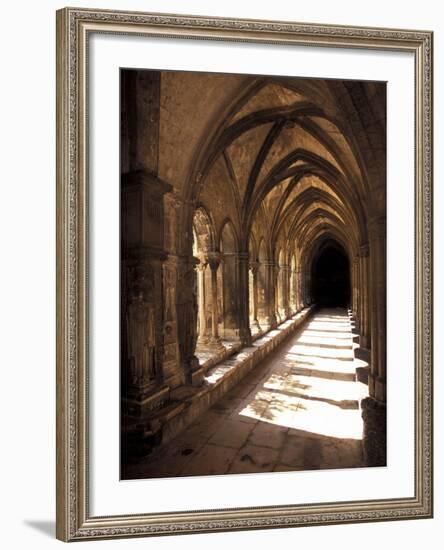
232,188
285,160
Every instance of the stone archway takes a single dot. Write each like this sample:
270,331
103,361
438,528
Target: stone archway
245,209
330,276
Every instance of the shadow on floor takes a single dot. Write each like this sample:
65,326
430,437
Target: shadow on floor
315,373
327,346
270,422
342,404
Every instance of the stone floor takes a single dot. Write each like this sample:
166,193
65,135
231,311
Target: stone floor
298,410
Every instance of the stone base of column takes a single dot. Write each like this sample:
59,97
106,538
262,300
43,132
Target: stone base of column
256,325
245,337
263,324
214,344
197,377
377,388
272,321
374,415
139,403
140,433
173,374
232,334
203,340
194,372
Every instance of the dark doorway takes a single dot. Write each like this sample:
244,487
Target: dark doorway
330,276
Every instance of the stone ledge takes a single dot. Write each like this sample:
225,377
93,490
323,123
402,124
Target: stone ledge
209,359
191,402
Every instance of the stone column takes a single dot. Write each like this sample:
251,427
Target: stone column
306,295
146,367
270,270
243,290
231,295
213,259
142,316
172,370
172,366
355,288
278,292
285,275
187,312
203,333
299,301
374,407
377,380
262,296
364,326
293,291
362,291
254,267
140,120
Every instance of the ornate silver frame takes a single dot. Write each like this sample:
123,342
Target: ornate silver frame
74,521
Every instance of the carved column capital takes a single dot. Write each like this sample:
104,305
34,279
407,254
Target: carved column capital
201,266
364,250
254,267
213,259
173,200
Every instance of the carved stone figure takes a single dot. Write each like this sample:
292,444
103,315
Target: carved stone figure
141,340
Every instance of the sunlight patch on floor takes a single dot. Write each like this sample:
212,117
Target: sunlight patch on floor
339,335
321,351
326,340
314,388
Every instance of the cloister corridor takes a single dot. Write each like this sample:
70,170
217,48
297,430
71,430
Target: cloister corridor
297,410
246,209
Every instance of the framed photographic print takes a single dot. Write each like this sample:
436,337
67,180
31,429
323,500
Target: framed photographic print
244,274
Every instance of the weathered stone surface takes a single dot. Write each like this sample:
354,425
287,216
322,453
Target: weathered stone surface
275,427
234,223
293,452
254,458
268,435
341,454
206,425
232,433
212,459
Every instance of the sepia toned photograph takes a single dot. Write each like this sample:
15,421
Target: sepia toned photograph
244,274
252,274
